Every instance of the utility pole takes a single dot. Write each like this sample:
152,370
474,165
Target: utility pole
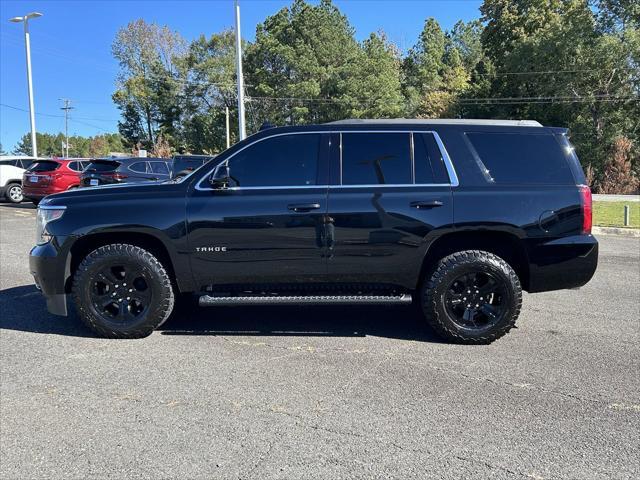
66,108
226,113
27,45
241,124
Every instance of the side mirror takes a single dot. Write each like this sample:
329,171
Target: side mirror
221,177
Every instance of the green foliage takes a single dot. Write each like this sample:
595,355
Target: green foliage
50,145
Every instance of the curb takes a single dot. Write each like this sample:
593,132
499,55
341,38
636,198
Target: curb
625,232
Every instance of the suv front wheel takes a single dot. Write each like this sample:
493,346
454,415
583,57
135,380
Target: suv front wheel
122,291
472,297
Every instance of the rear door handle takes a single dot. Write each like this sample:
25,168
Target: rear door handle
425,205
303,207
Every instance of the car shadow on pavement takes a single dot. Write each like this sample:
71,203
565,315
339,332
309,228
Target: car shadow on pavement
399,322
24,309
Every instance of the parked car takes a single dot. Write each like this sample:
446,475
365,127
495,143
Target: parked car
11,171
357,212
45,177
126,170
183,165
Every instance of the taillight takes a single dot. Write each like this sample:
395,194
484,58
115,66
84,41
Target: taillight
119,176
587,209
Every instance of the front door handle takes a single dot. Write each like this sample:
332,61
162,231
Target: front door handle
303,207
425,205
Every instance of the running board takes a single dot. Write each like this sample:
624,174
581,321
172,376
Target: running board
210,301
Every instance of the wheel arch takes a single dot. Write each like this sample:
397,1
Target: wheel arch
150,242
506,245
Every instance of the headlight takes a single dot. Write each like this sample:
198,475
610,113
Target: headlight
45,215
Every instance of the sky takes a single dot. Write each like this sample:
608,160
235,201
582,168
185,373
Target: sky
71,48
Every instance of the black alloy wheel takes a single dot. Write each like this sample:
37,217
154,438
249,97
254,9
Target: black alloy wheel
122,291
471,296
476,300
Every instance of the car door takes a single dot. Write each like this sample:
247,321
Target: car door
267,224
390,193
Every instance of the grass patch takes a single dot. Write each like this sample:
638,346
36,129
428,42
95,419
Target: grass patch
611,214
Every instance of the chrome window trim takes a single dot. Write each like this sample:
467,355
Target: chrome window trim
453,177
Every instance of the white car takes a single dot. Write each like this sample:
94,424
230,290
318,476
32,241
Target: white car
11,170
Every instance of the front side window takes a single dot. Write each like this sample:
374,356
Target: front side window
376,158
286,160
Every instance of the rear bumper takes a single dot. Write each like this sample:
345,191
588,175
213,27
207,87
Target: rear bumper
568,262
50,268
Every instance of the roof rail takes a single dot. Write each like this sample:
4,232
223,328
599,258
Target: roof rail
437,121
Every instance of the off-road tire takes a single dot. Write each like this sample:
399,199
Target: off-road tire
432,295
162,300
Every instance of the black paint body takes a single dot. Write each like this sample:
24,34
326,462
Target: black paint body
366,235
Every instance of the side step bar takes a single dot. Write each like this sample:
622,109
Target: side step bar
210,301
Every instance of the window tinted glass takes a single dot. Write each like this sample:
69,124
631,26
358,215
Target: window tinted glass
103,166
24,163
429,164
522,158
75,166
288,160
159,167
140,167
44,166
376,158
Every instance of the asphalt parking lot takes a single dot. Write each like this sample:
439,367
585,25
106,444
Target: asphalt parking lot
321,393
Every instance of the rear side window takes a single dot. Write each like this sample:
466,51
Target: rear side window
140,167
429,164
376,158
159,167
103,166
75,166
287,160
45,166
521,158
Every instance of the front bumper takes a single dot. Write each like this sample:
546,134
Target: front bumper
50,268
568,262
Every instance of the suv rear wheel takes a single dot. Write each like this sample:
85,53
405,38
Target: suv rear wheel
14,193
122,291
472,297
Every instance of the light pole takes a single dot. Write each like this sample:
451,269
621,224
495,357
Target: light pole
27,45
241,125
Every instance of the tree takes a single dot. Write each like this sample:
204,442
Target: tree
618,175
148,84
423,68
50,145
209,68
299,68
374,88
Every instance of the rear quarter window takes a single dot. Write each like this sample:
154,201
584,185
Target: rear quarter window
521,158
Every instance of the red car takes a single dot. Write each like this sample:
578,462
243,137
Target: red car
45,177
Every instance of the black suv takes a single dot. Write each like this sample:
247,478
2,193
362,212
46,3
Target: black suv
456,216
125,170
